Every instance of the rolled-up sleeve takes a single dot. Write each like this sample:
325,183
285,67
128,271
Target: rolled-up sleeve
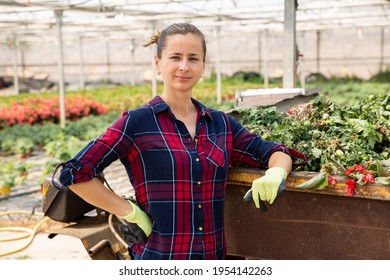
98,154
250,148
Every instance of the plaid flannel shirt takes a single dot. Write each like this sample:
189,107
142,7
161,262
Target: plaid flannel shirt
179,181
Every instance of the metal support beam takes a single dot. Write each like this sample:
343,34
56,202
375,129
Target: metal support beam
81,62
132,62
266,60
259,50
289,44
301,62
218,65
15,64
58,15
108,61
382,49
318,52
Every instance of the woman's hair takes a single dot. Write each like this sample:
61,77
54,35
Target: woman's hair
160,38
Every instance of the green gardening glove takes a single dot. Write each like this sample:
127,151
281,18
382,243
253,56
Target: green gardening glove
266,187
139,225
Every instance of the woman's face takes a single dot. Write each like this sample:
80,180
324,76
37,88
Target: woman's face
181,63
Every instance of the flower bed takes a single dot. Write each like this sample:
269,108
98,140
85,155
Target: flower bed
37,110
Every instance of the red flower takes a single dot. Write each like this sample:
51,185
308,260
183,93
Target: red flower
359,168
350,170
351,187
368,178
36,110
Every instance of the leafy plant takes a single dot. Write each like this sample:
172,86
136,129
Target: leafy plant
322,129
9,180
64,147
28,137
23,146
381,77
48,169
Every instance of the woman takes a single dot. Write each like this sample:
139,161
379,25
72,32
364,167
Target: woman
177,154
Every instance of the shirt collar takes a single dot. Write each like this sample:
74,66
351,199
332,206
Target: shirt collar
159,105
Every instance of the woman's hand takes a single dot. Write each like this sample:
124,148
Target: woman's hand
266,187
140,226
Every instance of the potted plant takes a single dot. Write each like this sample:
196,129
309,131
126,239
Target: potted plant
6,183
21,173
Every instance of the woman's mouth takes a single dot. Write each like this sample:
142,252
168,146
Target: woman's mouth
184,78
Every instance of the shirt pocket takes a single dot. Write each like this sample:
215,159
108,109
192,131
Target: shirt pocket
214,148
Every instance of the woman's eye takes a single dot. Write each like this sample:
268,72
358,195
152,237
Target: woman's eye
175,57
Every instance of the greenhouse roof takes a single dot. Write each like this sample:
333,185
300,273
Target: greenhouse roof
124,19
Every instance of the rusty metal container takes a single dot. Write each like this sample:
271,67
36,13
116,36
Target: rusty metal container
308,224
322,224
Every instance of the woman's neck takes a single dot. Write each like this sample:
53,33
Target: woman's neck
180,104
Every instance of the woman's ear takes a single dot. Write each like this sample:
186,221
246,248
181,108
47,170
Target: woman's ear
156,62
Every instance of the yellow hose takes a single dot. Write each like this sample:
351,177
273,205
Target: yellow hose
30,233
17,229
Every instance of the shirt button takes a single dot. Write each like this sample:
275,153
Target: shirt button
200,228
196,140
199,206
199,182
197,159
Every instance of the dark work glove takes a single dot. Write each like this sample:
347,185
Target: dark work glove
132,233
136,226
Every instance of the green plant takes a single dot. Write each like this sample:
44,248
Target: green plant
23,146
21,169
48,170
323,130
381,77
64,147
8,180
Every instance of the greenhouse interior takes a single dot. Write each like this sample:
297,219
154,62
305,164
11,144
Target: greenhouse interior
313,75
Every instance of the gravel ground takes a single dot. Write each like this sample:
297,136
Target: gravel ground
27,197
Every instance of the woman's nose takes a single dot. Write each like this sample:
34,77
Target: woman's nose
184,65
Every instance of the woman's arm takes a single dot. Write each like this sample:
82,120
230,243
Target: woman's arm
280,159
95,193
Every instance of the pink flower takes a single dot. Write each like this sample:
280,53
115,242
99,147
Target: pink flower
332,181
368,178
